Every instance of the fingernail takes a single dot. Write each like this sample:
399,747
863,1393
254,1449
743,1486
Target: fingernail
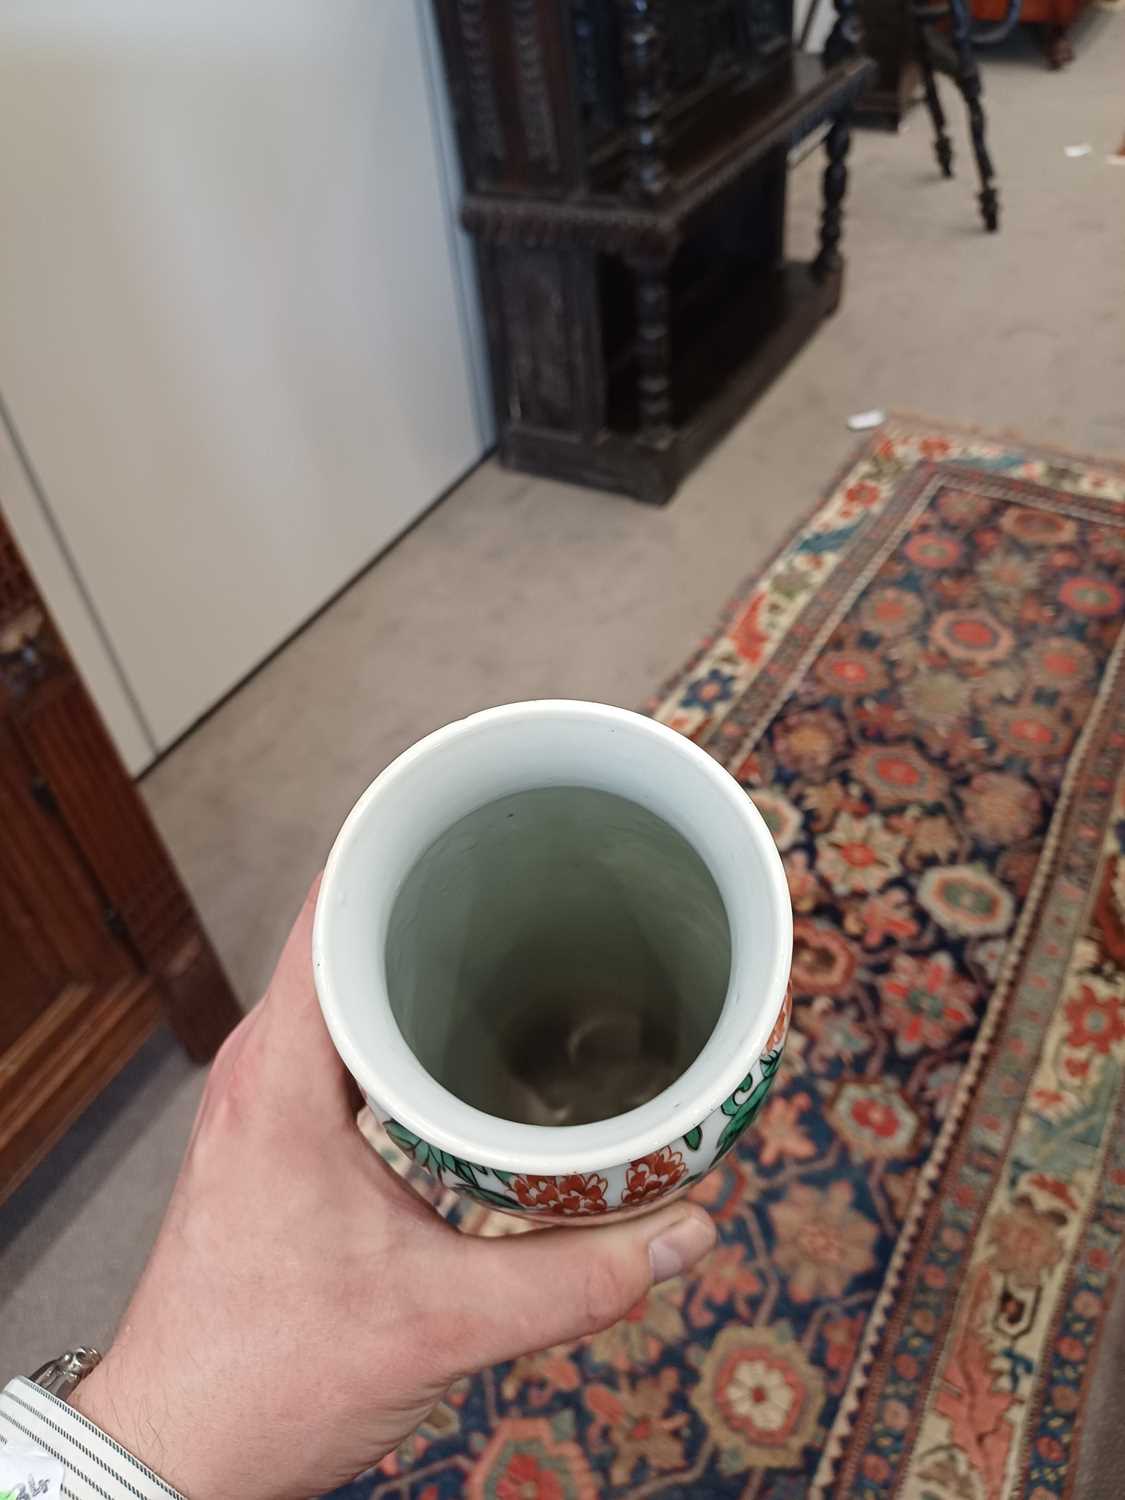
678,1247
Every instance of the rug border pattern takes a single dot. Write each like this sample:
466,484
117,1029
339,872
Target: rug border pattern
951,1144
894,462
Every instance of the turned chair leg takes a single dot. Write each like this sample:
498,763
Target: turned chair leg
843,42
943,146
1056,45
968,81
837,142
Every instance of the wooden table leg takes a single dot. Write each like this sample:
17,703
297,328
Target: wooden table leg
968,81
843,42
943,146
829,260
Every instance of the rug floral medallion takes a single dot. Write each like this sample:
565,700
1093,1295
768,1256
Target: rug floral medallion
923,696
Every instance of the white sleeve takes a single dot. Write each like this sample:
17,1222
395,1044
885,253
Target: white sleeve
96,1467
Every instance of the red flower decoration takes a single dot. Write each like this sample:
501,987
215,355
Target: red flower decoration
887,914
750,769
876,1116
580,1194
1054,1187
526,1478
653,1175
781,1025
861,496
574,1195
931,548
925,1002
746,632
842,1335
1095,1020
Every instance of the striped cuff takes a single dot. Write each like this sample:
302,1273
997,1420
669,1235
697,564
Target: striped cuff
96,1467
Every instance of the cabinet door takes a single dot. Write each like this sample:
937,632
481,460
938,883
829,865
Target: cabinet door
97,936
53,930
74,1004
232,341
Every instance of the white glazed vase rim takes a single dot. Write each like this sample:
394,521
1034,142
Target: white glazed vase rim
473,761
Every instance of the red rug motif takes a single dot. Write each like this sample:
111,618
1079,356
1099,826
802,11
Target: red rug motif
923,696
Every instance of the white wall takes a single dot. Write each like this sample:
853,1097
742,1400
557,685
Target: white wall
822,24
232,338
45,554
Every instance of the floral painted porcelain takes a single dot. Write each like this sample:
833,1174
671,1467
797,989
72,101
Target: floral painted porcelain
638,1184
518,859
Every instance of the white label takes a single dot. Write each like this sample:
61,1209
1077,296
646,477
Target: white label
28,1475
863,420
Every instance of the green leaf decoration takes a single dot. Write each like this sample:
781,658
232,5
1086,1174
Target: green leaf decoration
402,1137
459,1168
742,1115
731,1106
771,1061
694,1138
429,1156
504,1177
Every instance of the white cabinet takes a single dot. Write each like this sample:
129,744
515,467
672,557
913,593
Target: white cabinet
233,337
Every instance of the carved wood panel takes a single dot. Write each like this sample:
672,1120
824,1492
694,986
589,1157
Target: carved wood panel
509,73
47,893
597,138
95,926
545,334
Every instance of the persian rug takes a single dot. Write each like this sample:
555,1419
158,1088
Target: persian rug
920,1235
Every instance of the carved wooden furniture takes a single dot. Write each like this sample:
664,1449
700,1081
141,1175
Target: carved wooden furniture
625,166
98,940
888,41
954,55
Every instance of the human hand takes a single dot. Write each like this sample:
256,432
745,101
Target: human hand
303,1309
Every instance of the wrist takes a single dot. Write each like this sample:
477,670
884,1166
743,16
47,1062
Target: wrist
122,1407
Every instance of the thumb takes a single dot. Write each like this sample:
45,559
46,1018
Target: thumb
522,1293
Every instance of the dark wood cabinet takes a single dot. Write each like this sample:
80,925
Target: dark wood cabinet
98,940
625,167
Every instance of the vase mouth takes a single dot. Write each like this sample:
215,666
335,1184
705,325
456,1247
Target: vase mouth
463,767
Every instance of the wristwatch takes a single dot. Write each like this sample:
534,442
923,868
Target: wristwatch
60,1376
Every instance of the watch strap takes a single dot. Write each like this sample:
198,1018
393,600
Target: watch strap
61,1375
